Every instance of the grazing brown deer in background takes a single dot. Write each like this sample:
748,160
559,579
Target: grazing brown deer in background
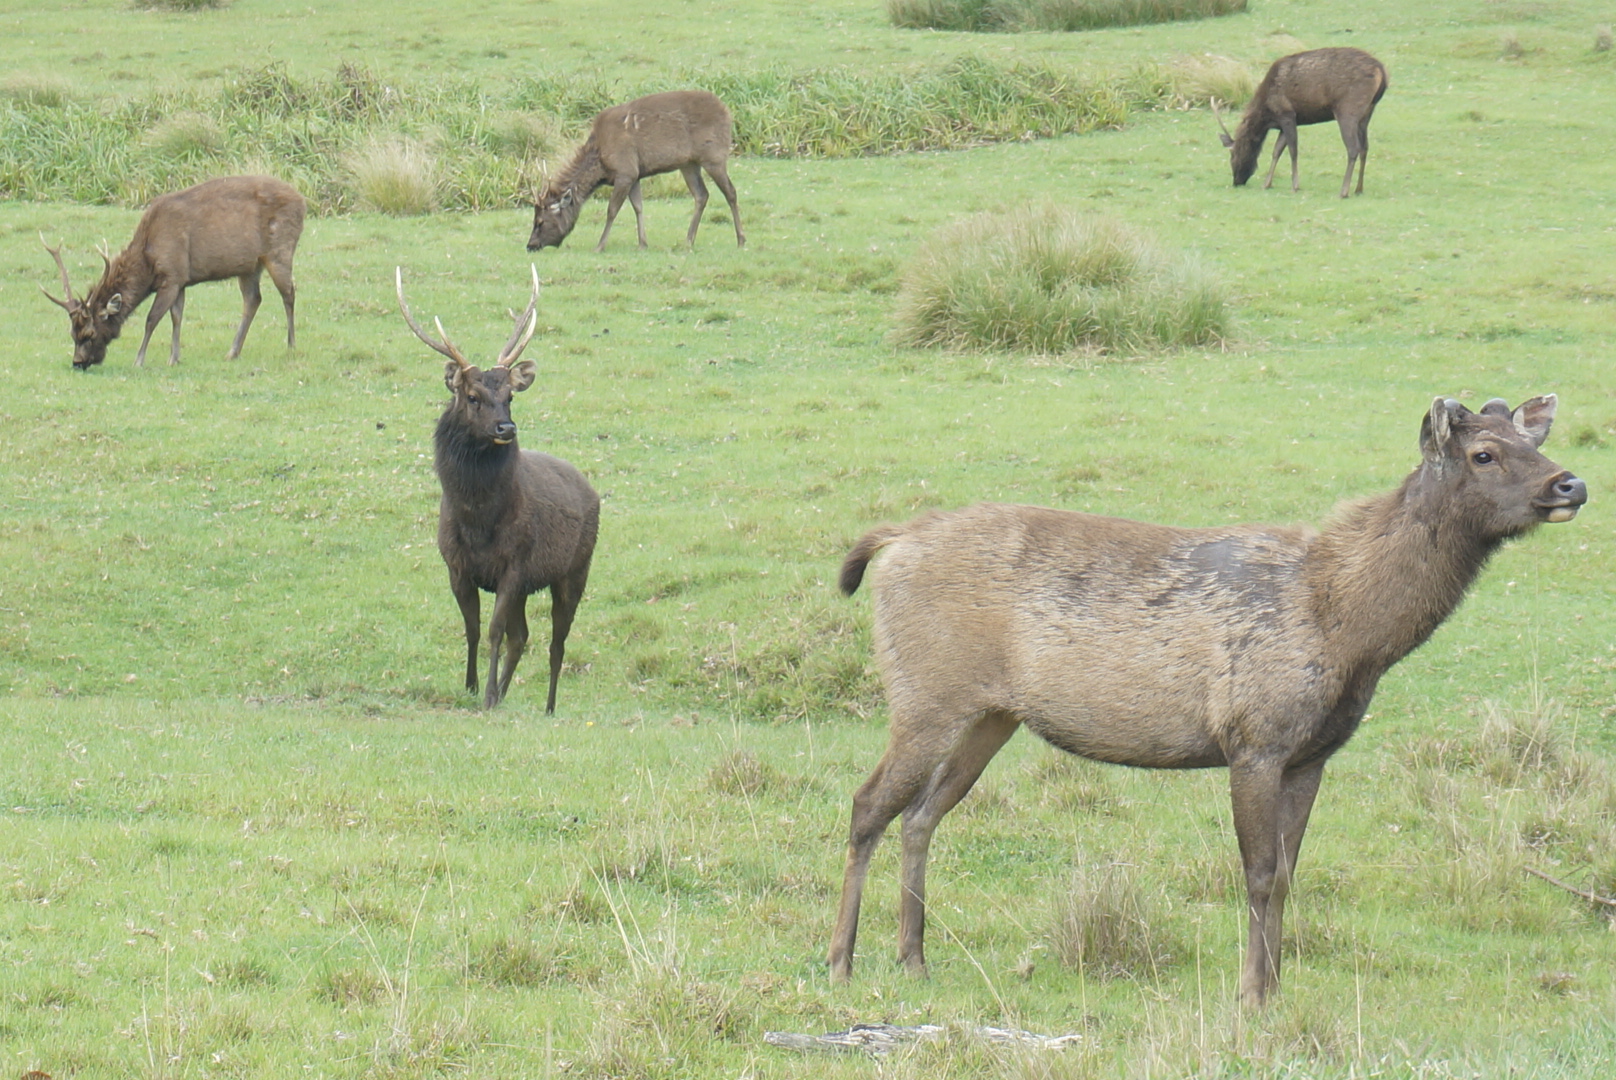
233,227
511,521
1255,647
1343,85
688,130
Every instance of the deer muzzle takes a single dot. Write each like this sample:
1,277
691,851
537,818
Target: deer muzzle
505,431
1564,498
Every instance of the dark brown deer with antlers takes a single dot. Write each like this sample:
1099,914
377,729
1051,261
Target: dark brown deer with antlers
512,521
1254,647
1311,87
233,227
688,130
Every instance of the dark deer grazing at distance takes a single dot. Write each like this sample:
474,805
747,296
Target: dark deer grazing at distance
233,227
512,521
1255,647
1343,85
688,130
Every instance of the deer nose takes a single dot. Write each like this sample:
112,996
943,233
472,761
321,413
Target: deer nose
1572,490
505,431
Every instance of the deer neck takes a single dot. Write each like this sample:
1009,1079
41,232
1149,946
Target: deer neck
583,174
1390,569
475,473
130,276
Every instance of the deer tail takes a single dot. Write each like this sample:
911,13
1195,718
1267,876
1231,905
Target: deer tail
863,551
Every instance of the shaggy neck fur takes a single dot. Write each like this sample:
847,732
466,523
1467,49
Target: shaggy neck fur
583,174
468,467
1390,569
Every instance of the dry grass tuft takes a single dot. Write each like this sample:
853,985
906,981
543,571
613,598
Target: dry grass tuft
1049,281
1107,926
1199,80
394,175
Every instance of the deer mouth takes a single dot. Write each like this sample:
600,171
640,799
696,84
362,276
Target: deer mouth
1565,499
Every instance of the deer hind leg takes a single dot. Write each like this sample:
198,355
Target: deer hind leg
719,171
564,598
1271,807
469,597
698,192
890,788
251,296
948,784
281,274
620,192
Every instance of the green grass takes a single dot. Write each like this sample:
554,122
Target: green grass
1029,16
1048,281
251,822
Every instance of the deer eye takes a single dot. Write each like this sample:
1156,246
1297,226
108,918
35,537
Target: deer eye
1481,457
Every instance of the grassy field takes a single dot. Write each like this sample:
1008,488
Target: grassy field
252,825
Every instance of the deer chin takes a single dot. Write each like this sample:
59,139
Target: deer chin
1561,513
507,442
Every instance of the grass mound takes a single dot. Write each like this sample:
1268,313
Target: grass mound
1048,280
397,176
1024,16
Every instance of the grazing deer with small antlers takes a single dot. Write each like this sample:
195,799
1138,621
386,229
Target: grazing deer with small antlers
512,521
1253,647
688,130
1311,87
233,227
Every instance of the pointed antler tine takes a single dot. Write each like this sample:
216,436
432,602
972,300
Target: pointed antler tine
527,324
451,348
1218,115
67,288
444,347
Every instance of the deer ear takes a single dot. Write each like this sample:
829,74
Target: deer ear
1436,430
522,374
114,305
451,376
1534,418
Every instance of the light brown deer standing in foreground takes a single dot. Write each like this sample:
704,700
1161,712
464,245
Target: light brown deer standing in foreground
1254,647
233,227
1343,85
688,130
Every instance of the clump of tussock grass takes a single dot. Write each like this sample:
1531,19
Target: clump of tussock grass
36,91
505,960
525,135
1602,38
1050,281
1025,16
741,772
1510,47
185,136
394,175
1106,926
1199,80
178,5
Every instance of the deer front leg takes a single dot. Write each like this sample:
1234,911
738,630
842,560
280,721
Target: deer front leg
469,599
165,298
620,192
1271,808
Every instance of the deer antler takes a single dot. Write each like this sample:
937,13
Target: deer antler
526,324
444,346
1218,114
56,253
